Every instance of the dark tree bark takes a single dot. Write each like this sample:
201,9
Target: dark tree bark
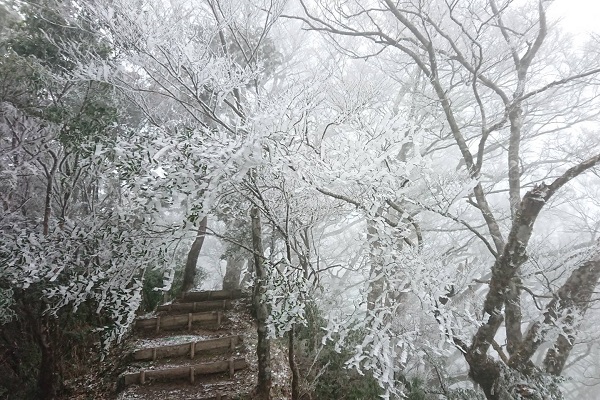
484,370
574,298
47,380
49,172
572,301
512,309
189,274
293,365
263,347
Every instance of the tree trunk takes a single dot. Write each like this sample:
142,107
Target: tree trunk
376,278
293,366
189,275
514,317
48,376
574,298
49,189
263,348
49,380
569,305
571,301
233,273
486,372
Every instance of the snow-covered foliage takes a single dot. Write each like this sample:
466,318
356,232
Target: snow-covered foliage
92,245
287,294
388,159
397,334
6,302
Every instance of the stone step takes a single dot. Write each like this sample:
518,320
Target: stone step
209,387
189,349
178,321
191,297
208,305
219,396
188,372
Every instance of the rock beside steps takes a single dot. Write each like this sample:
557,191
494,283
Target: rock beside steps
195,348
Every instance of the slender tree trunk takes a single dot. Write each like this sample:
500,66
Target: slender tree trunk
376,280
293,365
263,348
49,188
189,274
233,273
49,381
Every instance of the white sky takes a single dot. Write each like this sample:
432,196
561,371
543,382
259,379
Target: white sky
578,16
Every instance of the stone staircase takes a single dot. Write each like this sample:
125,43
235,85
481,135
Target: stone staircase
201,347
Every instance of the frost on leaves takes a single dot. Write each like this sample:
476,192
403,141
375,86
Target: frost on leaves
409,323
287,293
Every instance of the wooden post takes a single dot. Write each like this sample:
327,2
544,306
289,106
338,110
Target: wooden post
189,321
224,304
219,315
192,350
142,377
192,374
231,343
194,307
154,354
231,367
157,324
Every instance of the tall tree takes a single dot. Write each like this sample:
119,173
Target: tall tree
200,85
69,259
481,63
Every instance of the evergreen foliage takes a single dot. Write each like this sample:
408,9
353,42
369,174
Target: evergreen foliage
328,376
